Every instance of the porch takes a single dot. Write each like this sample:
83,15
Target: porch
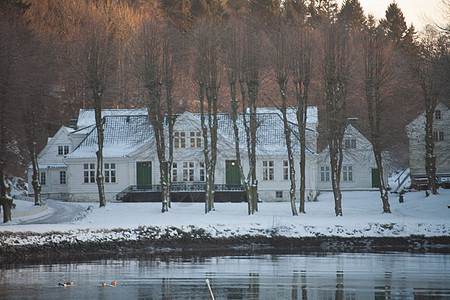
182,192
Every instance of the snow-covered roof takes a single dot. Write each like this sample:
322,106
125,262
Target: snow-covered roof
291,113
269,135
86,117
123,135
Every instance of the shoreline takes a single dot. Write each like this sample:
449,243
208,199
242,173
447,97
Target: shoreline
60,252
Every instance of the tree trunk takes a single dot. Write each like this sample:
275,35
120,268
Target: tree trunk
430,157
282,84
35,177
99,121
5,200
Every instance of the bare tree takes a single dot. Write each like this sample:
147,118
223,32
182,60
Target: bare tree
153,65
249,83
431,70
207,76
243,64
93,58
375,52
335,75
301,70
281,64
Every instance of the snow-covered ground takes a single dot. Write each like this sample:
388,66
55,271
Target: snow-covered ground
362,217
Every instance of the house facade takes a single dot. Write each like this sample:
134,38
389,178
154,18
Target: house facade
441,136
68,162
359,168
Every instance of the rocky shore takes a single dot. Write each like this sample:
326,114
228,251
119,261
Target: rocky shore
200,243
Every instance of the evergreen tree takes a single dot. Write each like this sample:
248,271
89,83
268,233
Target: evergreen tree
295,11
352,14
396,28
267,10
207,8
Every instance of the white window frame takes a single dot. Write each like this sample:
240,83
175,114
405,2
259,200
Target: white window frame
437,114
43,178
202,171
63,150
110,173
285,170
438,136
89,173
62,177
268,170
279,194
325,174
195,140
350,143
347,173
174,171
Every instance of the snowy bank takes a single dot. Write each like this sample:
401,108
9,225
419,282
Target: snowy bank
418,216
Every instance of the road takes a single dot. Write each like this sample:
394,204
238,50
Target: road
58,212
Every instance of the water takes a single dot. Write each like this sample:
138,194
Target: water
311,276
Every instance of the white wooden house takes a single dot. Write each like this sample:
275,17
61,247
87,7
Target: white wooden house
441,134
359,169
68,162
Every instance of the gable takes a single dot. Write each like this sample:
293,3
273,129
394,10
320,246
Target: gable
50,152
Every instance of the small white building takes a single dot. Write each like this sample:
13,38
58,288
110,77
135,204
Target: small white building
68,162
441,134
359,169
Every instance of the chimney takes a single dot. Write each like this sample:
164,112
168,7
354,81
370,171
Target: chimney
73,123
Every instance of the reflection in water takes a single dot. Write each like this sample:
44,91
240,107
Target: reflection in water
333,276
339,294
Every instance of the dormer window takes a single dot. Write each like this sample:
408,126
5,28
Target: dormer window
63,150
437,114
438,136
350,144
196,141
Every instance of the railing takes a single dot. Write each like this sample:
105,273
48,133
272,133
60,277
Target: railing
180,187
400,181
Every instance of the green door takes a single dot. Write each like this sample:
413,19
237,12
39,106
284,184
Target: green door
232,172
144,173
375,178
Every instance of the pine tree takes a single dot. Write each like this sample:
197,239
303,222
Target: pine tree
352,14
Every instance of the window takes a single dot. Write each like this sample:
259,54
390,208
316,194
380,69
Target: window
268,170
325,174
199,140
174,172
347,173
202,171
177,139
438,136
180,139
279,194
183,140
196,140
350,144
62,177
188,171
63,150
285,170
437,114
89,173
191,171
110,173
192,139
43,179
